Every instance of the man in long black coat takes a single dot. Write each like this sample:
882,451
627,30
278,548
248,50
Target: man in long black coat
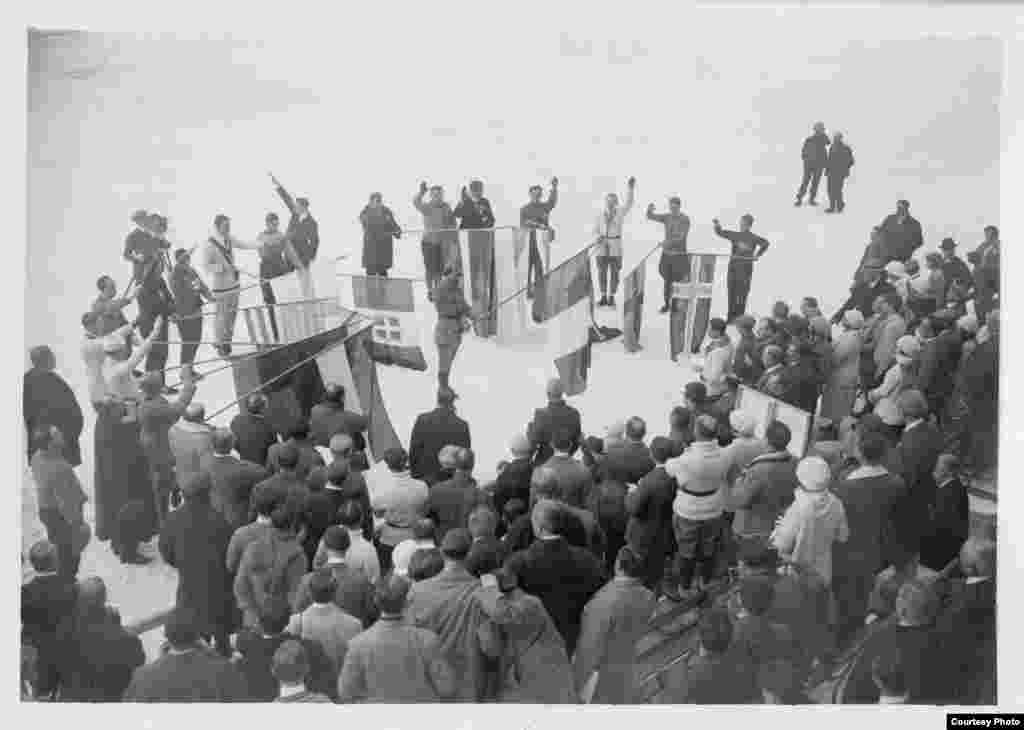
940,358
194,540
562,576
330,417
550,420
46,601
513,481
814,155
47,400
433,431
918,451
840,160
630,461
649,531
253,433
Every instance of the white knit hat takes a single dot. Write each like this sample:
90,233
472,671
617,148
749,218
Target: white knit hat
742,423
813,474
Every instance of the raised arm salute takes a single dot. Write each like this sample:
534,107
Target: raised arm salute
608,231
746,247
304,234
536,215
674,262
438,252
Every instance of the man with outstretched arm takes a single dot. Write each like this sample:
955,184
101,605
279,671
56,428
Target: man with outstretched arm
674,263
535,215
304,235
608,230
747,247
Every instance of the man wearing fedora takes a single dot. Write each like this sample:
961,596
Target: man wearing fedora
953,267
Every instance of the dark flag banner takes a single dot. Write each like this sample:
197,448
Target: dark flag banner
390,304
479,280
691,306
633,307
361,364
564,299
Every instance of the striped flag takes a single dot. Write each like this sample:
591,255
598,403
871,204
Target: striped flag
390,304
691,306
477,247
633,307
295,321
511,256
564,299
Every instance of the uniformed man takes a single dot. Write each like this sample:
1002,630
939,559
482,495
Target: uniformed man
535,215
674,263
747,247
608,230
452,320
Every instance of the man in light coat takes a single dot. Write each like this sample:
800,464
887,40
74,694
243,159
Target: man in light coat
885,331
613,621
398,502
718,357
218,258
608,232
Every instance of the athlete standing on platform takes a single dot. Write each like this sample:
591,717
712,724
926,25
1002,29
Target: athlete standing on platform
608,230
535,215
437,218
747,246
674,263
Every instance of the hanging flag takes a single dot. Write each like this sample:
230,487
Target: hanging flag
511,255
396,333
477,247
339,352
691,306
633,307
564,299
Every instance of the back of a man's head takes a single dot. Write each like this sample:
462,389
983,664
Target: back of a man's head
562,440
322,586
181,628
265,501
299,431
544,483
547,518
757,594
287,456
256,404
341,445
446,457
423,529
679,418
696,392
338,473
195,412
465,460
872,447
350,515
223,441
92,594
425,563
662,449
335,394
705,428
456,543
396,459
555,389
913,404
337,540
43,556
390,594
777,434
483,522
274,615
715,631
290,664
636,429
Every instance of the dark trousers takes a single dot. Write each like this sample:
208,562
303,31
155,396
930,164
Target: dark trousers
384,555
606,265
738,280
130,530
812,176
153,302
672,268
221,641
698,543
161,479
535,267
432,261
376,271
270,300
190,331
835,192
59,533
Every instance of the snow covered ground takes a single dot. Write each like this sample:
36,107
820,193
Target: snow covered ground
190,127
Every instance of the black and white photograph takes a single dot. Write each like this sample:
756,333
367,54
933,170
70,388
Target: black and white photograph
532,355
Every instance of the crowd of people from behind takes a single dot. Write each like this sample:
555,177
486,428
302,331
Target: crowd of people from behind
304,578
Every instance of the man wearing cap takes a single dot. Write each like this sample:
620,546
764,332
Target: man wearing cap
156,418
433,431
608,233
953,267
453,318
190,294
447,604
901,234
747,247
440,243
813,523
219,262
190,540
815,156
513,480
674,264
840,160
535,216
303,234
330,417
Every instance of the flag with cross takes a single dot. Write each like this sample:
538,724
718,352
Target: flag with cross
390,305
691,305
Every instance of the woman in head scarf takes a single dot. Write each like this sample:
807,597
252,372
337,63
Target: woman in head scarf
841,387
